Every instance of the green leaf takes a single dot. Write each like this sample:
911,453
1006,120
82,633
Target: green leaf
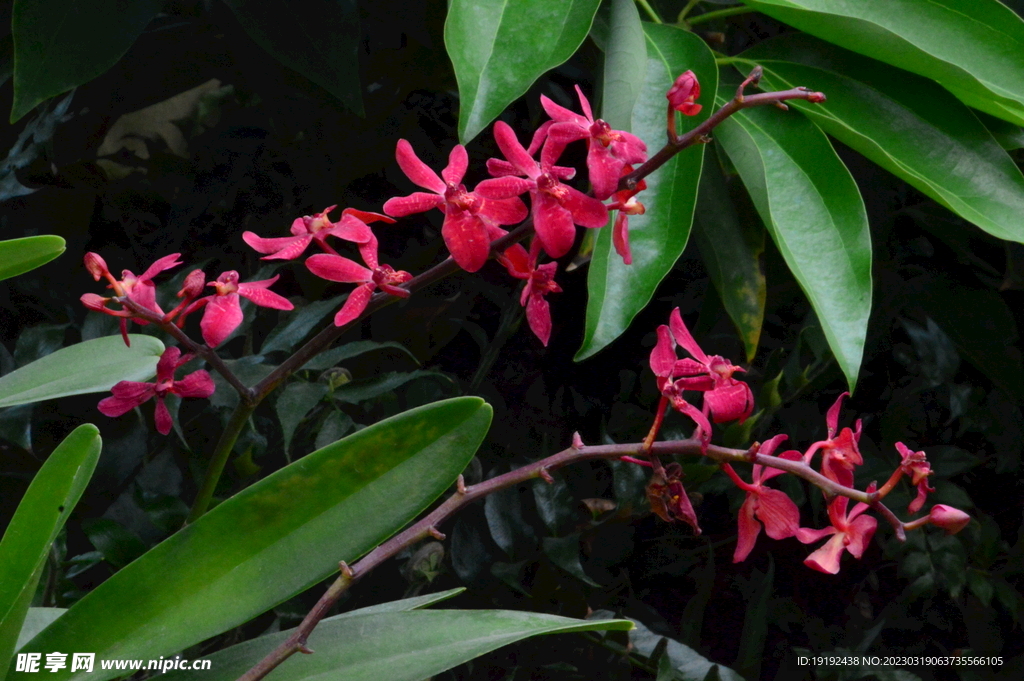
625,63
732,251
617,292
115,543
973,48
500,48
757,592
286,336
43,510
815,214
36,619
90,367
318,38
905,124
360,391
333,428
397,646
565,553
329,358
295,401
18,256
274,539
60,44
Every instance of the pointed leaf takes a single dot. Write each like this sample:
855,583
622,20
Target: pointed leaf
397,646
973,48
318,38
625,62
18,256
330,358
617,292
814,212
732,251
37,619
499,49
61,44
41,514
286,336
90,367
273,539
907,125
294,402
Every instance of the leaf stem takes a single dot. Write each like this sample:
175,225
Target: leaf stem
718,14
650,11
225,444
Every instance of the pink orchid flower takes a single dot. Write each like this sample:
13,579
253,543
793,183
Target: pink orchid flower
223,311
540,281
309,228
724,397
625,202
556,207
851,532
139,289
774,508
338,268
607,150
914,464
684,93
840,453
130,394
469,218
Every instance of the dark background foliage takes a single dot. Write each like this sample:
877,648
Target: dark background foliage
261,145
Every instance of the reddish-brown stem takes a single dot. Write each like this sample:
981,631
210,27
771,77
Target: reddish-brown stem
659,416
427,526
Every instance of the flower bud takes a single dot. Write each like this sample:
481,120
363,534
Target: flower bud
683,93
194,284
816,97
94,302
952,520
96,265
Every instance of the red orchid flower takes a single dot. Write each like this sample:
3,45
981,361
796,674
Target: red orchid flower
914,464
540,281
352,227
840,454
139,289
684,93
724,397
130,394
338,268
223,311
469,218
556,207
607,150
774,508
851,532
625,202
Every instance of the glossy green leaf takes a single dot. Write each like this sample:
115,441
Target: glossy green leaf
61,44
905,124
90,367
814,212
18,256
41,514
500,48
274,539
398,646
973,48
732,251
617,292
318,38
37,619
625,63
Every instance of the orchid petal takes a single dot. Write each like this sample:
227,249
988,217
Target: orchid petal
416,170
466,238
458,162
354,304
162,417
196,384
832,417
604,169
620,238
538,314
337,268
222,315
514,151
586,210
826,559
684,338
748,529
553,224
281,248
780,515
663,356
503,187
503,211
417,202
164,263
263,297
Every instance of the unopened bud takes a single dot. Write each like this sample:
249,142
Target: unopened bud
816,97
952,520
96,265
684,93
94,302
194,284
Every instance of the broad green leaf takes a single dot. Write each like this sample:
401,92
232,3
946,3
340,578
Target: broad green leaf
318,38
565,553
973,48
37,619
625,63
274,539
757,592
250,652
617,292
18,256
905,124
732,251
294,402
41,514
815,214
90,367
60,44
499,48
398,646
286,336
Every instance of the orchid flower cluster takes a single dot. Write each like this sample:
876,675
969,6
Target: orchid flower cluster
727,399
473,220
